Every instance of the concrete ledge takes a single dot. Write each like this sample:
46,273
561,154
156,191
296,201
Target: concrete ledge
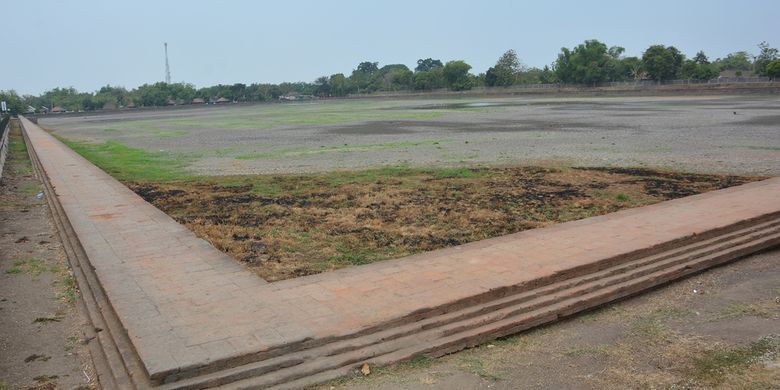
192,313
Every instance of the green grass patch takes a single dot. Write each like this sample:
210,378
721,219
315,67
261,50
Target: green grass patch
621,197
449,173
477,367
33,267
69,288
132,164
714,365
31,189
269,116
17,146
649,328
418,362
672,312
772,148
355,256
302,152
752,310
160,133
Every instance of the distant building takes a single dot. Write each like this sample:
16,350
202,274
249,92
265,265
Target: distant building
290,96
57,110
222,100
130,105
731,73
198,101
293,96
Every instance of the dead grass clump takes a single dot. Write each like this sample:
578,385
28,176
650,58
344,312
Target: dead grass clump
309,224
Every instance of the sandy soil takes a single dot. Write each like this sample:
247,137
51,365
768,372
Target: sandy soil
728,134
40,341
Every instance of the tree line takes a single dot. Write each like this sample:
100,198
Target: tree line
589,63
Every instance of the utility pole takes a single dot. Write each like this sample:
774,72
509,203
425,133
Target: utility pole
167,68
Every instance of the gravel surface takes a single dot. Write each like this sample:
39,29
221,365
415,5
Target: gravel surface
708,134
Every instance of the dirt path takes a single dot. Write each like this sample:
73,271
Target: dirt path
41,346
716,330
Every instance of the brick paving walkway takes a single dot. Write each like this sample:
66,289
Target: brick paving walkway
184,304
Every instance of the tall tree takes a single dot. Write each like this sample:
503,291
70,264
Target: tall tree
630,68
661,62
393,77
429,80
428,64
764,57
739,60
456,75
13,102
590,62
339,85
773,69
701,59
699,68
362,76
506,70
322,86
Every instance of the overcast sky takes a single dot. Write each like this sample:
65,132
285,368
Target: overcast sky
88,44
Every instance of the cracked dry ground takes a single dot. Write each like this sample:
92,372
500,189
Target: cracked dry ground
293,225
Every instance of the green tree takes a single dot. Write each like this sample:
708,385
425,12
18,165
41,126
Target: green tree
13,102
322,86
739,60
767,55
362,76
630,69
339,85
429,80
394,77
773,69
661,62
699,68
506,70
700,58
237,90
113,97
590,62
547,76
456,75
428,64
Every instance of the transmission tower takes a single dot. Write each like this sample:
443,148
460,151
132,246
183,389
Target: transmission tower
167,68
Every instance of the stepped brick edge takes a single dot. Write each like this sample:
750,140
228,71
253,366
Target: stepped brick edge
169,311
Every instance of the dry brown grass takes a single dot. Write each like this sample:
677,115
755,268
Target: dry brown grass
289,226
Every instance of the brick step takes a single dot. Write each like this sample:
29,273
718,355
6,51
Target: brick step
475,316
453,311
116,362
436,343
